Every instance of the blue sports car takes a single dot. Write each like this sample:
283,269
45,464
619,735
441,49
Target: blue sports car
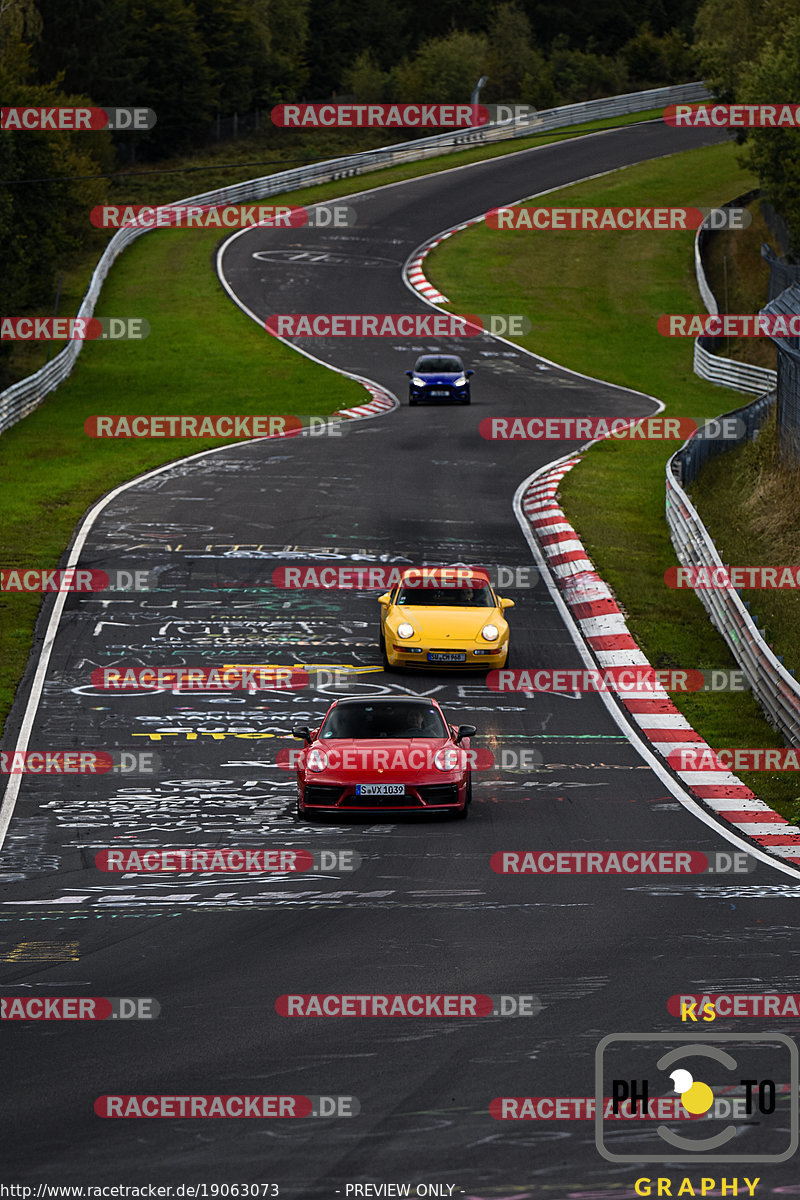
439,377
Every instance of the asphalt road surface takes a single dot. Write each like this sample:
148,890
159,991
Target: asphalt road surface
424,913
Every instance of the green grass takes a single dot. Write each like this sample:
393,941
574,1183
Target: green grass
203,355
593,299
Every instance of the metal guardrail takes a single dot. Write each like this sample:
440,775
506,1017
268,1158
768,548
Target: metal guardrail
730,372
787,304
727,372
695,453
774,687
27,394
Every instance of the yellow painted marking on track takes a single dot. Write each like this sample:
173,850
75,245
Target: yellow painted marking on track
43,952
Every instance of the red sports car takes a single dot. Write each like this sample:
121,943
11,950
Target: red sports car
384,755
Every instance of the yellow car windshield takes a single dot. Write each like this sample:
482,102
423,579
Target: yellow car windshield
446,597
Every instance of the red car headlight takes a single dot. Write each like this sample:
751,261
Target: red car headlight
449,758
317,760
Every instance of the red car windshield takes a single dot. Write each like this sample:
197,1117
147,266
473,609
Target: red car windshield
372,720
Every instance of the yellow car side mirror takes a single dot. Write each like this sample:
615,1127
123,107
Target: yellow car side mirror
385,598
505,603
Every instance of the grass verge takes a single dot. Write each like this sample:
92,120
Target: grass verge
594,299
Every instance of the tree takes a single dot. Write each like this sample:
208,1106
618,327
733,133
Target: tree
235,39
287,69
774,154
87,45
653,61
364,79
170,75
513,64
577,76
339,30
444,69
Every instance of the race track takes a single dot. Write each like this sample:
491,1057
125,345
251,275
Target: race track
424,913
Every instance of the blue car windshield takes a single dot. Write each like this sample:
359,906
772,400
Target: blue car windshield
439,366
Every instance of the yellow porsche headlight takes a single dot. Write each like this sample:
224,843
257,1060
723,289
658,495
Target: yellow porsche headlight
490,632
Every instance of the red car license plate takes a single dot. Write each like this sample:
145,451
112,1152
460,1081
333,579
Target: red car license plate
380,789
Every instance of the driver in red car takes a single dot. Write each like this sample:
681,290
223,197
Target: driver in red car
421,724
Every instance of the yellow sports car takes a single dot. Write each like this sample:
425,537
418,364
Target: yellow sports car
443,617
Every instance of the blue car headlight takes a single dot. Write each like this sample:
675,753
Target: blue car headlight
462,379
417,382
